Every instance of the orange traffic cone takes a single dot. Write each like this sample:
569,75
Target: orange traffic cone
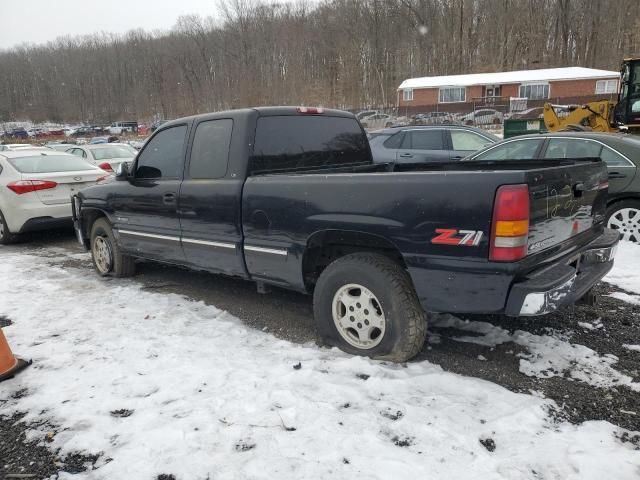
9,364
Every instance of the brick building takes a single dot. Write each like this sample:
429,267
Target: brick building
457,93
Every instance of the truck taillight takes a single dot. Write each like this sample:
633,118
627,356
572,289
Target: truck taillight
310,110
510,228
27,186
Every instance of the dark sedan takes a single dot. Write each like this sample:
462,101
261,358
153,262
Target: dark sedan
620,152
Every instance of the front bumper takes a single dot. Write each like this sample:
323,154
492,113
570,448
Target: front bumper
75,208
558,285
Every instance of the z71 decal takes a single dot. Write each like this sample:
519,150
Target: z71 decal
453,236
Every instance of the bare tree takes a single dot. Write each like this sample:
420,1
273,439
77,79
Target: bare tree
336,53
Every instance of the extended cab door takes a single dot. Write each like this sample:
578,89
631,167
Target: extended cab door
209,204
419,146
146,210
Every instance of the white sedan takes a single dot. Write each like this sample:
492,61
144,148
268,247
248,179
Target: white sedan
36,188
107,156
18,146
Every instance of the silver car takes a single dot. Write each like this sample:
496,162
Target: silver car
107,156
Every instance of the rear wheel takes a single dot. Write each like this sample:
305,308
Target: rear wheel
365,304
105,253
6,237
625,217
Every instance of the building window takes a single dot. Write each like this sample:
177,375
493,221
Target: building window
606,86
535,91
452,94
407,94
492,91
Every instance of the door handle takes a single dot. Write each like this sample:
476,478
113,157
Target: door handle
457,157
406,155
617,175
169,198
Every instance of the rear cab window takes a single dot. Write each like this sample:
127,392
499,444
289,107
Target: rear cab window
285,143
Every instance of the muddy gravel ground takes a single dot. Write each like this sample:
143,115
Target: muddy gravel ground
288,315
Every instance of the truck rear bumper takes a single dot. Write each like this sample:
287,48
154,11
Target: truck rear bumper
547,290
467,287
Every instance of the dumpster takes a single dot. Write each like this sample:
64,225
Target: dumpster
515,127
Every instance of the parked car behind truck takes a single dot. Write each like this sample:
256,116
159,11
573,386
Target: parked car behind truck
620,152
36,187
417,144
291,197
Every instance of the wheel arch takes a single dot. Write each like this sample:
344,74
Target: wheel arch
622,197
325,246
88,217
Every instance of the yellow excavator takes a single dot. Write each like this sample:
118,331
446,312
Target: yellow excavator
604,115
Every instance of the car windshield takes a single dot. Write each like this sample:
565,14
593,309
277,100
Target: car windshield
113,151
50,163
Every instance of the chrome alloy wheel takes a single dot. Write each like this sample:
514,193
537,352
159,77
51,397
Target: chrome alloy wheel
358,316
627,222
102,255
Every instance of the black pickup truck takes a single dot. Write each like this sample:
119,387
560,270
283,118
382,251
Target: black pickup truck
290,197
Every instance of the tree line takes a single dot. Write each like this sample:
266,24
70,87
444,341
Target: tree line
336,53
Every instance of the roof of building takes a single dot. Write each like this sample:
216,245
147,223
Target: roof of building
501,78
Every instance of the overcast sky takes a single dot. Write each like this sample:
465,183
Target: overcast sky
38,21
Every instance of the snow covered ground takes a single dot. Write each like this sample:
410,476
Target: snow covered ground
160,383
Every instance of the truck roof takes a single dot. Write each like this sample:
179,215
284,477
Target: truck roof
262,112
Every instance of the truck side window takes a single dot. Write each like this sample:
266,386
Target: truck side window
210,151
294,142
162,156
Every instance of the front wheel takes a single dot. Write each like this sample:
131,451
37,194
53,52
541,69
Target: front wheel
106,254
625,217
365,304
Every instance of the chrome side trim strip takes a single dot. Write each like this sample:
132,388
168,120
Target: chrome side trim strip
250,248
273,251
150,235
211,244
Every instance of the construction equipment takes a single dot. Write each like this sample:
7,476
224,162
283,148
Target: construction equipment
604,115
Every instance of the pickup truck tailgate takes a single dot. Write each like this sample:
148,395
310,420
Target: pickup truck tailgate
565,202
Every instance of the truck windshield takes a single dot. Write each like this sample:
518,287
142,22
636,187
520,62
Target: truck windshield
289,143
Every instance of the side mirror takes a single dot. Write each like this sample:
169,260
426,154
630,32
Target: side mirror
122,172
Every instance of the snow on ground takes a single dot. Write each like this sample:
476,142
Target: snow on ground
626,269
547,355
625,297
211,398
